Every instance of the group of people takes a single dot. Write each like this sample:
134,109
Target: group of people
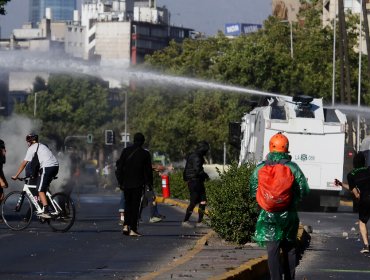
277,223
136,177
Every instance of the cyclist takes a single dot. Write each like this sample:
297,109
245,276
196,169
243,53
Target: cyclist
3,182
49,168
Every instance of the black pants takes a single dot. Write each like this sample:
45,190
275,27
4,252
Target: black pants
132,207
197,193
285,267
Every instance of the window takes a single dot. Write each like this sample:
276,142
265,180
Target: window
278,113
330,115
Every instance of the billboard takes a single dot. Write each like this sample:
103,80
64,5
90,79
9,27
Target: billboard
237,29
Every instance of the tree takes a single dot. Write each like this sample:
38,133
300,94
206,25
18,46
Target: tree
69,106
2,6
260,60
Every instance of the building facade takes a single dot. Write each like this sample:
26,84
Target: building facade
62,10
120,32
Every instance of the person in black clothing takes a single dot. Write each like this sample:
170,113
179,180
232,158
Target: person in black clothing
195,176
136,167
359,184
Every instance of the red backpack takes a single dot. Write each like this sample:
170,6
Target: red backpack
275,181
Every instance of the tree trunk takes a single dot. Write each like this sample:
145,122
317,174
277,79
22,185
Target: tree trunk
341,52
345,52
345,63
367,37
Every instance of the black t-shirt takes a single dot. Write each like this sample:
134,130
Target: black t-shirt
360,178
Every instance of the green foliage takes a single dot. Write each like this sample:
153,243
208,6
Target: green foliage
174,121
68,106
2,6
233,214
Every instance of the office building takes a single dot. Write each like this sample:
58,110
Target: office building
61,10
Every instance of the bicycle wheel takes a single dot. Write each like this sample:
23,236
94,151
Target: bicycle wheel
63,217
17,210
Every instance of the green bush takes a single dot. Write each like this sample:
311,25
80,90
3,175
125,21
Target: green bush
232,213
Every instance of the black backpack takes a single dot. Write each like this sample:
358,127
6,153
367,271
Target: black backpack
120,167
34,165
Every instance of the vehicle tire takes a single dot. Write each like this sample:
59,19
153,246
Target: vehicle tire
66,216
17,218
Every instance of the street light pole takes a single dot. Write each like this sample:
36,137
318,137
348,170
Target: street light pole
334,41
291,35
35,105
125,118
291,39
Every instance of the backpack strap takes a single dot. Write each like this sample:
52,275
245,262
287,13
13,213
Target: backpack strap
282,161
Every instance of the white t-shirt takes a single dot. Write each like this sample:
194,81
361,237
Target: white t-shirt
46,157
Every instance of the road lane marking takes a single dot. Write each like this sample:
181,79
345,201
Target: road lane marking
345,270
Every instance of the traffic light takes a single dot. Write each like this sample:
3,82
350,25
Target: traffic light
109,137
89,138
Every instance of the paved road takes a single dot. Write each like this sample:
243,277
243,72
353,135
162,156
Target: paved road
335,247
94,248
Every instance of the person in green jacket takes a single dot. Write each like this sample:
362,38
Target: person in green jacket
278,230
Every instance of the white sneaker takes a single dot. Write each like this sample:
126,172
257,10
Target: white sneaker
125,230
187,224
44,215
200,225
365,250
154,219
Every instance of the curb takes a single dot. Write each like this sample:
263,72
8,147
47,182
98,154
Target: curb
257,268
253,269
188,256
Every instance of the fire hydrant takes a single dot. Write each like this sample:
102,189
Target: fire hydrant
165,186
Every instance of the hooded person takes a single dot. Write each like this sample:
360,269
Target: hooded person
277,229
195,176
136,168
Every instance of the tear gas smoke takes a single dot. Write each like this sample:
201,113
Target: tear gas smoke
13,131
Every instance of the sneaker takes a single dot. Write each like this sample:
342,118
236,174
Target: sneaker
134,233
155,219
187,224
121,221
365,250
200,225
46,214
125,230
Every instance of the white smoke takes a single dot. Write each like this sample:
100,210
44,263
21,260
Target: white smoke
13,131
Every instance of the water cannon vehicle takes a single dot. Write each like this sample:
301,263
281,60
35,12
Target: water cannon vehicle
316,142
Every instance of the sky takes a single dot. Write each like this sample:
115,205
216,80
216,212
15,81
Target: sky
207,16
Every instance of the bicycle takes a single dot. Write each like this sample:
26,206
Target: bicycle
18,208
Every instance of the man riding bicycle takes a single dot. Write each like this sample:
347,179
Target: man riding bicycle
48,169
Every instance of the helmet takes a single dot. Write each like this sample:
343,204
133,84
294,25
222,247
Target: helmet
32,137
279,143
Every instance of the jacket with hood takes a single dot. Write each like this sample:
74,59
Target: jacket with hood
194,164
136,167
274,226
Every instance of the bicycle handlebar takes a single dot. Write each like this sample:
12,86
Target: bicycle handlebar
28,177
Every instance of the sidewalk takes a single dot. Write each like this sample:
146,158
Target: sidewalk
213,258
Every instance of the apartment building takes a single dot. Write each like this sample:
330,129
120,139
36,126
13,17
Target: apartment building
120,32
